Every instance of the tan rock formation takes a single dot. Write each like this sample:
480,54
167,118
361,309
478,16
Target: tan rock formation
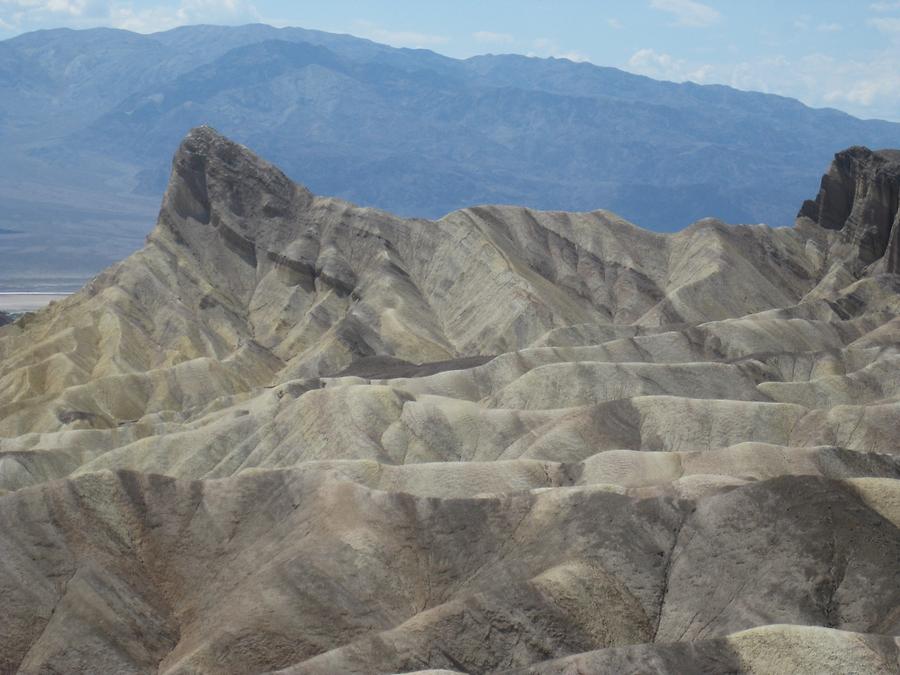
295,435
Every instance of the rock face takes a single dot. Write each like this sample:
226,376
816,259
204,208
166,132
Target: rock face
295,435
5,318
860,196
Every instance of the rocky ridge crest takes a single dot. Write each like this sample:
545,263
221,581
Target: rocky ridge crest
860,197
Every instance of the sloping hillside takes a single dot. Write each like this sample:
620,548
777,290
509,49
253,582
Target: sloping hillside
291,434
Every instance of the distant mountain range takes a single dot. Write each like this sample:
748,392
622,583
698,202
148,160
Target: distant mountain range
89,121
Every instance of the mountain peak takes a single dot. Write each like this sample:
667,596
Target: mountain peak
859,197
224,204
215,180
203,135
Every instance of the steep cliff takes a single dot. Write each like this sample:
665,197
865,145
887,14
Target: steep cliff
859,197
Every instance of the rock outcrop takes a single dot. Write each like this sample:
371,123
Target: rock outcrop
860,197
295,435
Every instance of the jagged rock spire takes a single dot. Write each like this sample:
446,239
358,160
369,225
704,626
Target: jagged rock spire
859,197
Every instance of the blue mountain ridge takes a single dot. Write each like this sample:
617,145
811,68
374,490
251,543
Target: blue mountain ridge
90,119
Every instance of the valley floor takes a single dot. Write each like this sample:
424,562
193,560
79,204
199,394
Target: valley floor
15,303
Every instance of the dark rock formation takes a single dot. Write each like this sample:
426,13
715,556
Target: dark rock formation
5,318
859,197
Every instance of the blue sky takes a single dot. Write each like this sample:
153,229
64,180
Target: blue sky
826,53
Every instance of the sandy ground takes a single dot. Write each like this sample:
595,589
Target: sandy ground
26,302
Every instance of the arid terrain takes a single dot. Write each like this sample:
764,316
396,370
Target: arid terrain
295,435
90,118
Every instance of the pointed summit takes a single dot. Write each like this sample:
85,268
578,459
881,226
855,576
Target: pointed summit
859,197
214,178
223,206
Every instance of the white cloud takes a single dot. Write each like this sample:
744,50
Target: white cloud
650,59
888,25
885,6
664,66
398,38
21,15
188,12
865,88
688,13
861,93
489,37
30,14
577,57
804,23
71,7
545,47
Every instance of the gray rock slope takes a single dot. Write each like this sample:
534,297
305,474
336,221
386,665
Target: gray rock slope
859,197
295,435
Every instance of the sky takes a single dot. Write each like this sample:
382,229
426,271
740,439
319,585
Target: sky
828,53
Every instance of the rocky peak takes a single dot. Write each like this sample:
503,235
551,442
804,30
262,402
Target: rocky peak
225,206
215,180
859,197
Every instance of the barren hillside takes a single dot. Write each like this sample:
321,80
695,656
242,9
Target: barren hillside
291,434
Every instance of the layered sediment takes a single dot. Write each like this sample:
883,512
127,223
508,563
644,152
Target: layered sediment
295,435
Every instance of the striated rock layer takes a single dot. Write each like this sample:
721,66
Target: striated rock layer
295,435
859,196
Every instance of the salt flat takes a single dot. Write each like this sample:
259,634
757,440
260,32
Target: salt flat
27,302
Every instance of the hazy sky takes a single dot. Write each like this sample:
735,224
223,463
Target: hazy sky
839,53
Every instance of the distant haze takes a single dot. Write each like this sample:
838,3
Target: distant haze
825,53
90,120
12,303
